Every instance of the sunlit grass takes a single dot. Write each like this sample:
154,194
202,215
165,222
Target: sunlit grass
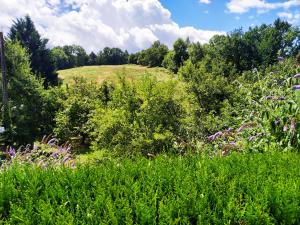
110,73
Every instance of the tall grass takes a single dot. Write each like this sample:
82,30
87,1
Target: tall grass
238,189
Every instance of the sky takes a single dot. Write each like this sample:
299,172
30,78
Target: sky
136,24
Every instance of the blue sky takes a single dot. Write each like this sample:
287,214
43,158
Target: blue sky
217,16
135,24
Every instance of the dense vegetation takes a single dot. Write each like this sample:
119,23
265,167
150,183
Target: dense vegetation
216,143
253,189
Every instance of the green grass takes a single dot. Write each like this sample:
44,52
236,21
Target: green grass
246,189
110,73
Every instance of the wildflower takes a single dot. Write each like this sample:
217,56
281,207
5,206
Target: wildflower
252,138
55,155
12,152
66,158
281,98
232,143
211,137
297,75
276,122
280,58
52,142
2,130
215,136
229,129
296,87
259,135
245,126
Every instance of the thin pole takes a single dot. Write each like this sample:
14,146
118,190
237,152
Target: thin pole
4,83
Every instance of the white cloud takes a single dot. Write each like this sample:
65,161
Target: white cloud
242,6
292,18
94,24
205,1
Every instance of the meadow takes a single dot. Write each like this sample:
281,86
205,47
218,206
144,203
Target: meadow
99,74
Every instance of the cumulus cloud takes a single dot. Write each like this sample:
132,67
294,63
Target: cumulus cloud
205,1
242,6
292,18
94,24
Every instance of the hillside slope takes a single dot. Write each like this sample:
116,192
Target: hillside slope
101,73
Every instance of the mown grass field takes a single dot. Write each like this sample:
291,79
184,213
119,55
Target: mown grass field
110,73
239,189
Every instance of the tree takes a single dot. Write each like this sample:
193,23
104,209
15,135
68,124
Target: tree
112,56
26,98
181,52
41,62
92,59
60,58
196,52
80,55
154,55
169,62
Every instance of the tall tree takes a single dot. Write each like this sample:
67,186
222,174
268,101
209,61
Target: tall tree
42,64
60,58
92,59
181,52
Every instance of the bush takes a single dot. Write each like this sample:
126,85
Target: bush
146,117
247,189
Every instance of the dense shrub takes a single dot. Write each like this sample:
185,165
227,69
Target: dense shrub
247,189
143,117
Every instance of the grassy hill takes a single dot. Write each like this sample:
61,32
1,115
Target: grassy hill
101,73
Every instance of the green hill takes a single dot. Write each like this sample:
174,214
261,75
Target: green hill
101,73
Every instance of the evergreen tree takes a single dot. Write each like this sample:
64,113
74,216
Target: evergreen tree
41,62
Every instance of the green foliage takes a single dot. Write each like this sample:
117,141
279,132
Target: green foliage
41,62
112,56
28,101
214,99
169,62
77,103
196,52
153,56
239,189
146,117
60,58
277,106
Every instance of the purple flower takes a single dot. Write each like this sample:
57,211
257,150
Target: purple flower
12,152
233,143
66,158
259,135
215,136
276,122
229,129
296,87
211,137
280,58
52,142
281,98
252,138
297,75
55,155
